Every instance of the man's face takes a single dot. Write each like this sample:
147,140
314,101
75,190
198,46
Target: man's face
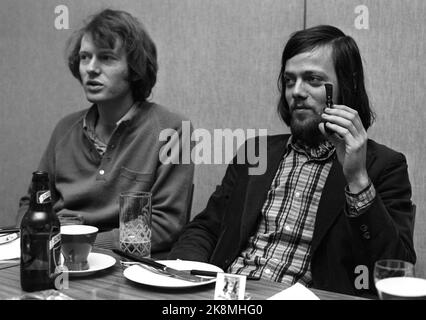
104,72
305,76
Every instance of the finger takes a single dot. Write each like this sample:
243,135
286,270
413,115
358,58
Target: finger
342,122
346,113
333,137
342,107
343,133
322,129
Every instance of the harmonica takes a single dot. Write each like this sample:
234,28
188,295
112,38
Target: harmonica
328,102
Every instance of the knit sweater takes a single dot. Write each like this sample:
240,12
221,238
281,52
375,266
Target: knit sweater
84,183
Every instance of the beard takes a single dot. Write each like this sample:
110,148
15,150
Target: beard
304,128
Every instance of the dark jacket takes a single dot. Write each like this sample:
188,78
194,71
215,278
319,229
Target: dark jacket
340,244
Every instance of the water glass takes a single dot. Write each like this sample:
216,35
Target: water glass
395,280
135,223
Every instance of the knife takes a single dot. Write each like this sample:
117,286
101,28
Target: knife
214,274
9,230
183,275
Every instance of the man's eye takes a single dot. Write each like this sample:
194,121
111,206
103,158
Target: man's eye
107,58
288,81
315,80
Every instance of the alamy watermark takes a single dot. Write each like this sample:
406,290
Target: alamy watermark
220,147
362,280
62,279
362,19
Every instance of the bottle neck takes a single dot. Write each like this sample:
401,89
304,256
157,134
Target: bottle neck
40,196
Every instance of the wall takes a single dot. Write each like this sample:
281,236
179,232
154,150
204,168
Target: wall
394,53
203,47
219,63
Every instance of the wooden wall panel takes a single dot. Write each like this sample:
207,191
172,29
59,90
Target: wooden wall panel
394,52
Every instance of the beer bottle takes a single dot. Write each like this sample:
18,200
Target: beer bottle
40,238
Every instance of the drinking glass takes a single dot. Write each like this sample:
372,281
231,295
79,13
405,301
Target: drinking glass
395,280
135,223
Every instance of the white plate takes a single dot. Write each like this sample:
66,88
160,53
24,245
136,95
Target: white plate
10,250
144,276
97,262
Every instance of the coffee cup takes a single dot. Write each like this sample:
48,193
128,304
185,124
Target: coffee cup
77,243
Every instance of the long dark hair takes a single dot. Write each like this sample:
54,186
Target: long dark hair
105,28
347,64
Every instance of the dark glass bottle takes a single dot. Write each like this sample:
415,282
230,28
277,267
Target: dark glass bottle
40,239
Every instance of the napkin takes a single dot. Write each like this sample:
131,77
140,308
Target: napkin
295,292
10,250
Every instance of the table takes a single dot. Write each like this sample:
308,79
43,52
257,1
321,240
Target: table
110,284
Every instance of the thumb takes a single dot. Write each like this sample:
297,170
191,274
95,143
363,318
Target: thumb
332,137
321,128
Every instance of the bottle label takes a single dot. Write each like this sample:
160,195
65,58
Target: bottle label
40,259
55,239
43,196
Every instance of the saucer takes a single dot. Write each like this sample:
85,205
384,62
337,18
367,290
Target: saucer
97,262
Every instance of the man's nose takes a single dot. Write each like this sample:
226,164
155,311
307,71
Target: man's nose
299,90
93,66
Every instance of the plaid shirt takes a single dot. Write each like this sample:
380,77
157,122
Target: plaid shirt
280,249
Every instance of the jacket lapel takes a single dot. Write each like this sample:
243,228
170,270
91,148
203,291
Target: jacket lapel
259,185
333,199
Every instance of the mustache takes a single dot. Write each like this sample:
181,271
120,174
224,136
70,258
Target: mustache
303,106
298,106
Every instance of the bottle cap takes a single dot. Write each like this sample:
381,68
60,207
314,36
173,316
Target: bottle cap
40,175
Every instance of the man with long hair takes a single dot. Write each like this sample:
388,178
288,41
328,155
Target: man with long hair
331,200
113,146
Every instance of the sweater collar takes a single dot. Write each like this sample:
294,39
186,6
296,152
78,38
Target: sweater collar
92,115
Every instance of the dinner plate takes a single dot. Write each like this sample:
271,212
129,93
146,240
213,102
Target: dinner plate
144,276
96,261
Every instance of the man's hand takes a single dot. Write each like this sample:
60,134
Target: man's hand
70,217
350,139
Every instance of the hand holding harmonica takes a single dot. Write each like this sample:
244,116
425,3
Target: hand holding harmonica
348,135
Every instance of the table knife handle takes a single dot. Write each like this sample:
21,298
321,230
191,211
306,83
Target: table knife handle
9,230
214,274
204,273
147,261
